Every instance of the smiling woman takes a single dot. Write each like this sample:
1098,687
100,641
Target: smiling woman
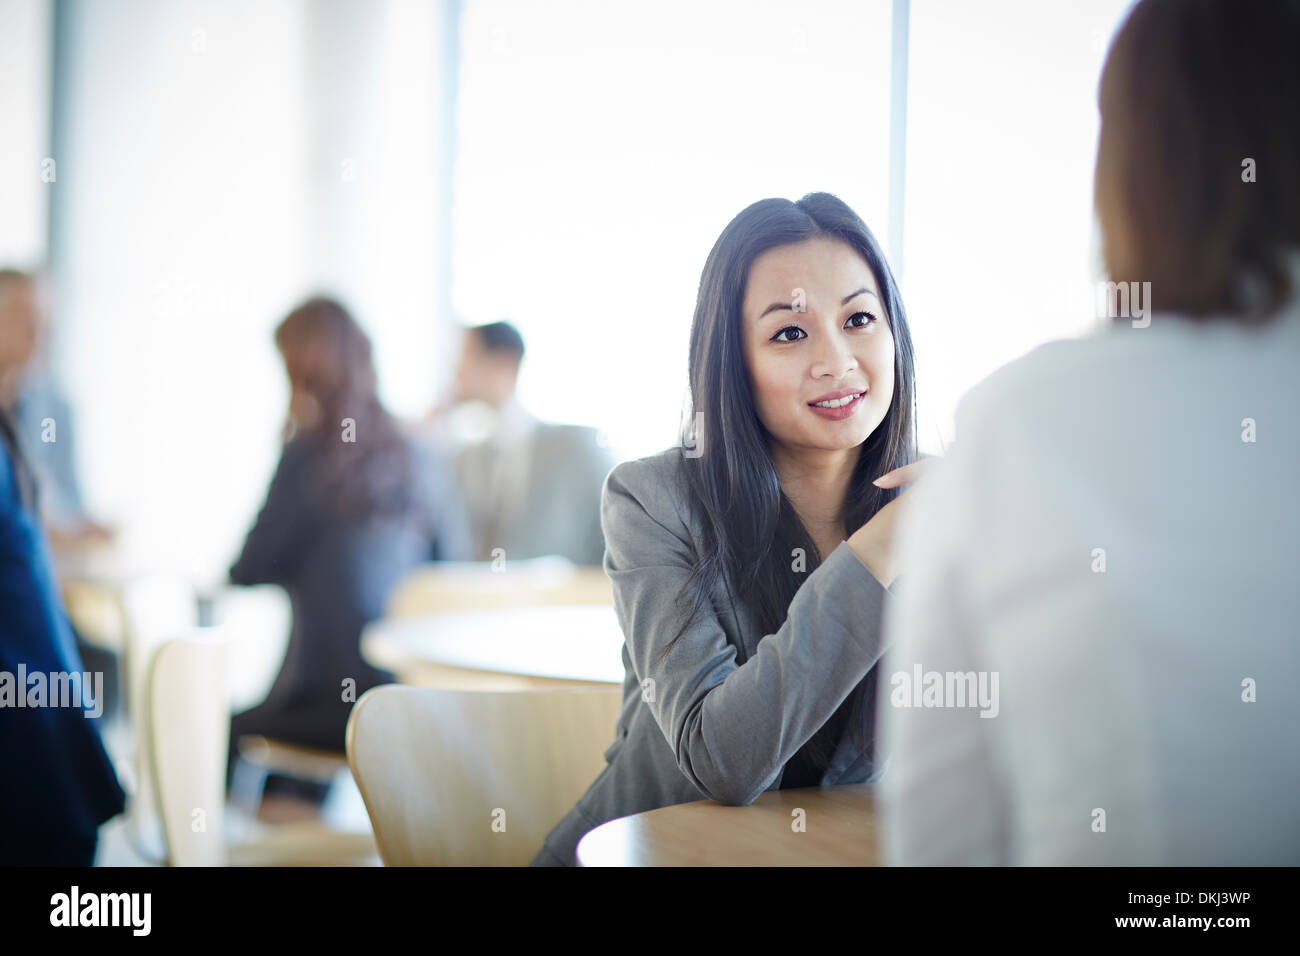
750,566
829,360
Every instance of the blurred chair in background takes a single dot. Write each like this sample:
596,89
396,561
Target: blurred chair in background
183,728
156,608
185,724
352,507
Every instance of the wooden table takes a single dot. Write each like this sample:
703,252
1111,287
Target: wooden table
506,648
839,829
91,579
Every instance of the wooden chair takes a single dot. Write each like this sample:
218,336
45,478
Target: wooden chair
186,726
461,777
155,609
440,587
187,717
259,757
257,621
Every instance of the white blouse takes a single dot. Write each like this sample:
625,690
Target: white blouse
1111,553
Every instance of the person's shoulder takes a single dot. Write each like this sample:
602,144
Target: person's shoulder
581,440
657,483
1043,363
1118,367
1051,379
662,472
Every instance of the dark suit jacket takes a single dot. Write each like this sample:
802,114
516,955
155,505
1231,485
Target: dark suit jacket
338,573
56,781
560,512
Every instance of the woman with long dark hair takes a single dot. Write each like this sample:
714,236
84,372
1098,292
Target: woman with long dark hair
353,506
750,564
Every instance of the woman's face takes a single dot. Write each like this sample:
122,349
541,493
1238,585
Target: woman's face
814,326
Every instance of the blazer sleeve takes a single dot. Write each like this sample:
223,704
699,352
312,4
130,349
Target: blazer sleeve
731,727
282,533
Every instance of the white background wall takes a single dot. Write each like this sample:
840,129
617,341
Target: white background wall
24,129
222,161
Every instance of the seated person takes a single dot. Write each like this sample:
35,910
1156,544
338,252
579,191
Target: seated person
532,488
1108,559
59,783
354,506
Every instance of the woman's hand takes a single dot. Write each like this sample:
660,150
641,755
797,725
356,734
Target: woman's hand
874,541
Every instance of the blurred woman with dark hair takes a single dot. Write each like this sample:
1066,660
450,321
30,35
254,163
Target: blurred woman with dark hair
1113,540
353,506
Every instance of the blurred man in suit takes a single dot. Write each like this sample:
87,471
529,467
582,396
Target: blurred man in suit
532,488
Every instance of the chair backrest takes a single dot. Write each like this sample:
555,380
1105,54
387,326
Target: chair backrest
469,586
188,727
472,778
155,608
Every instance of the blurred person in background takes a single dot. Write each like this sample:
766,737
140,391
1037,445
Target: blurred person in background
354,505
41,414
58,782
532,488
43,424
1116,535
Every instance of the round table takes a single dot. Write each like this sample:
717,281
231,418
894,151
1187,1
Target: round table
838,829
511,647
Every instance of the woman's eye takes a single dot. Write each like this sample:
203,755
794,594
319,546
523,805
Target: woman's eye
867,319
789,328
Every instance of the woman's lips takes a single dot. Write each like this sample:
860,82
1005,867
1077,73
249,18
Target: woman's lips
841,413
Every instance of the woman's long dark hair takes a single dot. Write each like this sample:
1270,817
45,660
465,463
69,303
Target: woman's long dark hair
750,527
373,475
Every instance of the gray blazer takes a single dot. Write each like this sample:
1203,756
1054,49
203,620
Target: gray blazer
560,513
729,706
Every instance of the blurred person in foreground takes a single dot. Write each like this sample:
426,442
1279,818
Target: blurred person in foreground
58,783
354,505
1095,660
42,422
532,488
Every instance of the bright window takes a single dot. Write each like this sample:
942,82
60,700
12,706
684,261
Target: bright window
603,147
